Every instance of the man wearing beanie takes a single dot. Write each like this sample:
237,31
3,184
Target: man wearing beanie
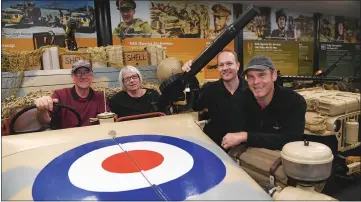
273,115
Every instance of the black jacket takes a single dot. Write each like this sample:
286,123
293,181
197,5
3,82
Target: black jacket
123,104
224,109
282,121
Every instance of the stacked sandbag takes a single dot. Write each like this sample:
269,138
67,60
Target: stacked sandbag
315,122
324,107
157,54
115,56
331,102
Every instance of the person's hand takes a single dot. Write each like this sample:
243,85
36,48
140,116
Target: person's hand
187,66
232,139
45,103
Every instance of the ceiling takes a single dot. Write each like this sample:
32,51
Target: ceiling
341,8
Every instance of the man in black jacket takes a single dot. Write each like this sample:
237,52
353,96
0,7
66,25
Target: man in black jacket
272,115
222,98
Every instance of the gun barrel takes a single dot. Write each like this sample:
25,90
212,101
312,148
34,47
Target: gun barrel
221,41
334,65
310,78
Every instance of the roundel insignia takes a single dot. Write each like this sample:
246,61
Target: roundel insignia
152,167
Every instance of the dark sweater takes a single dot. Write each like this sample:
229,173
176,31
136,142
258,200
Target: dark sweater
87,108
123,104
282,121
224,109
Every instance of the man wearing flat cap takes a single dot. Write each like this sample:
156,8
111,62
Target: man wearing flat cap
281,33
130,26
81,97
272,115
220,18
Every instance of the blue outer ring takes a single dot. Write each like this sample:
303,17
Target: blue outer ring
52,183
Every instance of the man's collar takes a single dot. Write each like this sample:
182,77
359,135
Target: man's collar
77,97
239,83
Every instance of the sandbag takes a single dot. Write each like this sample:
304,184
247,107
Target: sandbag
257,162
335,105
315,122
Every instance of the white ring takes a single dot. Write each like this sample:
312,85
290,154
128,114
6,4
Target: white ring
87,172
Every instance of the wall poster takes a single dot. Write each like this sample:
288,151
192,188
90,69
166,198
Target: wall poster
21,19
283,35
185,28
340,35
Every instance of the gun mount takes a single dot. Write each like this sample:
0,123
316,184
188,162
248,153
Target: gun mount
324,73
175,85
321,78
305,81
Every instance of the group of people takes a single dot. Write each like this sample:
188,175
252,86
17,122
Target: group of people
133,99
263,114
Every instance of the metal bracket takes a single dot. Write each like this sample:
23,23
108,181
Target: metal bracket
272,180
354,168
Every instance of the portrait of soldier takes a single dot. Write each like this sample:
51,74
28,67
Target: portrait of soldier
281,32
194,20
205,21
130,26
220,18
325,31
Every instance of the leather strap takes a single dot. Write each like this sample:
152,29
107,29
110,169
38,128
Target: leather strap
241,148
273,169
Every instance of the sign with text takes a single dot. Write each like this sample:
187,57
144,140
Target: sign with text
331,53
67,60
283,54
305,58
136,58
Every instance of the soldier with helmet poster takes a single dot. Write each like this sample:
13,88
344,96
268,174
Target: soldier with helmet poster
290,25
221,15
130,26
169,19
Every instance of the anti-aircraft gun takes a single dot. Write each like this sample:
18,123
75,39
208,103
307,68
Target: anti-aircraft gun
321,78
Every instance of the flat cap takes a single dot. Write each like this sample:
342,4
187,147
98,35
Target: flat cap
220,10
126,4
259,62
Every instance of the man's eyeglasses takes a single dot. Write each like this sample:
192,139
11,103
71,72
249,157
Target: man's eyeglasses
81,73
134,77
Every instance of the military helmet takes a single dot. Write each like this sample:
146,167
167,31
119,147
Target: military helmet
220,10
126,4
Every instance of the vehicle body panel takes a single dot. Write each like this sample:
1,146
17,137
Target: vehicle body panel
26,157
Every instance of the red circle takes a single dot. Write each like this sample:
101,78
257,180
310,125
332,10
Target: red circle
121,163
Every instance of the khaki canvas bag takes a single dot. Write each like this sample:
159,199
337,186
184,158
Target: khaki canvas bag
263,165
